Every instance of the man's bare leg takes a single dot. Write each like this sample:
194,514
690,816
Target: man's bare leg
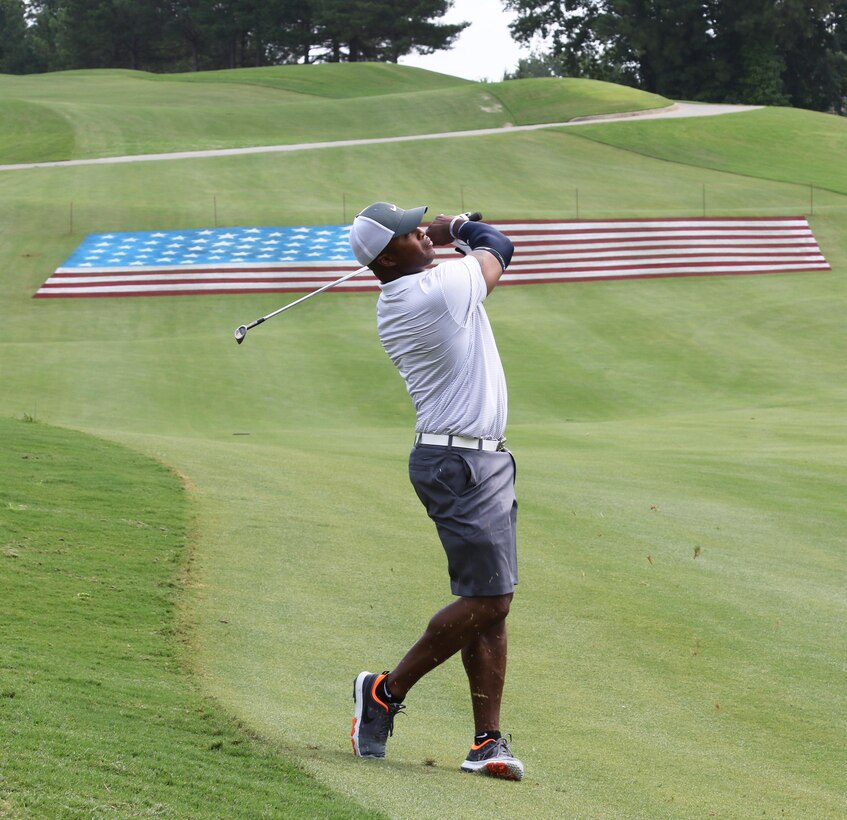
485,663
450,630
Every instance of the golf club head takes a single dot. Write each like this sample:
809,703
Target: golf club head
240,333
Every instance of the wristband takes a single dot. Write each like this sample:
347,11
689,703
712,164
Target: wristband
483,237
463,219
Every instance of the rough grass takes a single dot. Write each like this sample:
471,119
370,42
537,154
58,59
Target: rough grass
97,715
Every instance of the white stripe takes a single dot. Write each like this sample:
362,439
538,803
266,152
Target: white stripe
191,286
341,267
704,261
639,255
233,276
516,276
644,224
557,242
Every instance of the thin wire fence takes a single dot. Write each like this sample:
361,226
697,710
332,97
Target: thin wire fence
577,203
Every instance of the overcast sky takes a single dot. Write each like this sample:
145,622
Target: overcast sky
483,51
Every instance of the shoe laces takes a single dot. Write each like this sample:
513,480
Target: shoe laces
394,709
501,745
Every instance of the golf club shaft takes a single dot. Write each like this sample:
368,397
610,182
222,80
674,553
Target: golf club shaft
309,296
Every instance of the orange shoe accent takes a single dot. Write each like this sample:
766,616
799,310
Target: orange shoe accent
374,695
477,747
501,770
353,737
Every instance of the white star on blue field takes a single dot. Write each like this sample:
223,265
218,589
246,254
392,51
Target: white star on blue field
213,246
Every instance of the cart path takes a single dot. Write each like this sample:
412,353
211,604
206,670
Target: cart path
677,110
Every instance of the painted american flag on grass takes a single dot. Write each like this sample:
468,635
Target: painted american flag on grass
274,260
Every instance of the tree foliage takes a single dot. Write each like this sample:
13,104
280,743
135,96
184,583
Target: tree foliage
15,51
173,35
771,52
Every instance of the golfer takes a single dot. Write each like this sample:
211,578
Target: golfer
433,326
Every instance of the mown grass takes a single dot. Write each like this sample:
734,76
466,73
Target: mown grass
559,100
333,80
30,129
97,715
681,451
783,144
88,115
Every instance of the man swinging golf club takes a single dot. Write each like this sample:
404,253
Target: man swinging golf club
433,326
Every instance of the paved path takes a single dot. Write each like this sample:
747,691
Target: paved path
675,110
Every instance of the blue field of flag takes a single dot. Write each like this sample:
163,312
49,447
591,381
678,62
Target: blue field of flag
213,246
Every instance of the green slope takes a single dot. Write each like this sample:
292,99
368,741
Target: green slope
334,80
774,143
90,114
552,99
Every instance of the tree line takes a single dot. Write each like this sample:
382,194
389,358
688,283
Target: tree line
768,52
771,52
193,35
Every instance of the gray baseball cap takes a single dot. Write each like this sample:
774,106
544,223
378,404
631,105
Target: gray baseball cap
377,225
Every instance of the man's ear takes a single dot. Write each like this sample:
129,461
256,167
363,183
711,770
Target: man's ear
385,260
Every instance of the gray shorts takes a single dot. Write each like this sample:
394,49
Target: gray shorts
470,495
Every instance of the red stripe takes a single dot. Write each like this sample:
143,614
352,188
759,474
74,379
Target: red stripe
46,294
650,241
649,220
562,257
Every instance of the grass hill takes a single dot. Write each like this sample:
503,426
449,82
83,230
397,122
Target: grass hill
331,80
85,114
784,144
677,633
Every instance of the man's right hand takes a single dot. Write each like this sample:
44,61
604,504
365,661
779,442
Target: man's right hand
439,230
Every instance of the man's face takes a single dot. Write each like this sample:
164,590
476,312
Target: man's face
410,252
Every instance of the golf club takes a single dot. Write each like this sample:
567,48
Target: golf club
241,330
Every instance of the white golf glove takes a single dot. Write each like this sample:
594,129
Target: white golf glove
459,244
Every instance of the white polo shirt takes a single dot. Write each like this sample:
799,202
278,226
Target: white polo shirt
434,328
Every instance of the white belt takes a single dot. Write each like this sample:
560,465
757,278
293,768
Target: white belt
465,442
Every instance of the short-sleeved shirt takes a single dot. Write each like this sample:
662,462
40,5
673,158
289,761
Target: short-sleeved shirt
434,328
